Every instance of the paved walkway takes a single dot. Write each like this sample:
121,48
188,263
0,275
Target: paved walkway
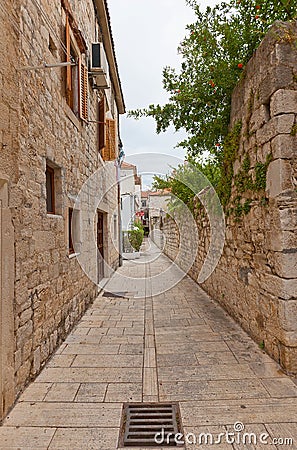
177,345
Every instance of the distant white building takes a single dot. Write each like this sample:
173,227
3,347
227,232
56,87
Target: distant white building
130,188
144,211
158,207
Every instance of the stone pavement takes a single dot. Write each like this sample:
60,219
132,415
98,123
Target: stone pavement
177,345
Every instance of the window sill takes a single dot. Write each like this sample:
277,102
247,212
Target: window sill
54,216
73,255
72,117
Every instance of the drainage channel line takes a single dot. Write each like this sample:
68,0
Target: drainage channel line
150,391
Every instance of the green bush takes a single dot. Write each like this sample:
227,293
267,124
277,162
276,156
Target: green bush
136,235
135,238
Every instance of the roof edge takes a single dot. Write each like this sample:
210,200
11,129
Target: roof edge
104,20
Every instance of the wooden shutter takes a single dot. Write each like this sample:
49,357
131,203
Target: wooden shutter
68,68
83,91
109,152
101,124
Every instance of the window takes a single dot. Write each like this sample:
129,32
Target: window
101,124
109,152
50,190
74,230
70,227
115,227
52,46
76,75
53,185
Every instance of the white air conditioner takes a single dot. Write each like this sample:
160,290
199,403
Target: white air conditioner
99,66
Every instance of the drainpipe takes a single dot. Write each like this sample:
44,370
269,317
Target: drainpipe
118,162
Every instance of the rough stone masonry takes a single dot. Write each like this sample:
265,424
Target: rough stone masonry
43,290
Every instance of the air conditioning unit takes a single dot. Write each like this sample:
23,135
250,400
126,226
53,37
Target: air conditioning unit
99,66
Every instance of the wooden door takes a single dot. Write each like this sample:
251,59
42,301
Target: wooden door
100,246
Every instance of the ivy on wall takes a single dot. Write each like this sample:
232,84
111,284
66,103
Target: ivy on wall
247,182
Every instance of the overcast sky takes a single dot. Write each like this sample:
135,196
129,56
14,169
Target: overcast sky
147,34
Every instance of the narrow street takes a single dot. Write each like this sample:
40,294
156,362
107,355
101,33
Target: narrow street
176,346
164,138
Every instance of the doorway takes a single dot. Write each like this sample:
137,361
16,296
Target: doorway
100,246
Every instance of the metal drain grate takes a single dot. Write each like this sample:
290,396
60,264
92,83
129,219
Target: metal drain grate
143,423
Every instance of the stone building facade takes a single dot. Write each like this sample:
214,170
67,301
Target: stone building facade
58,126
256,278
158,208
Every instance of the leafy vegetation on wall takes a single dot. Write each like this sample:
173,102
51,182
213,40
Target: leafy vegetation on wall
214,53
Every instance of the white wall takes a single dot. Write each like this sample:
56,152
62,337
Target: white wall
127,181
157,202
127,187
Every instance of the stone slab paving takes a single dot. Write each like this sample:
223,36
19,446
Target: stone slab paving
176,345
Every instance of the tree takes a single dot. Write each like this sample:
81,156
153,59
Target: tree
214,53
187,180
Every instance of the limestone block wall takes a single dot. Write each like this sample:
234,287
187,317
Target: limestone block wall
37,127
9,154
256,278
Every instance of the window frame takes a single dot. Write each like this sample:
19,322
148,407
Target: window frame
50,175
83,86
77,85
70,234
101,123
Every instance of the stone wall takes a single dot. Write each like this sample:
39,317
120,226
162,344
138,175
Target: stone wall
37,127
256,278
9,154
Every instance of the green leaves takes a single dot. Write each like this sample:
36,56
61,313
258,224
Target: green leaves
221,38
185,182
215,51
136,235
